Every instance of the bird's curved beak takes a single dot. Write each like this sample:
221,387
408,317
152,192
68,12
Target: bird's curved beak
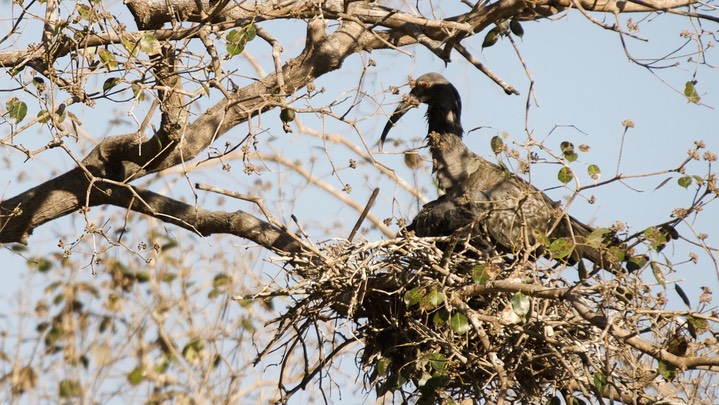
408,101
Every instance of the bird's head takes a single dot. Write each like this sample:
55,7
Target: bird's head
441,97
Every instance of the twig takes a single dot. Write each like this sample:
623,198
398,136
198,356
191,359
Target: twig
363,215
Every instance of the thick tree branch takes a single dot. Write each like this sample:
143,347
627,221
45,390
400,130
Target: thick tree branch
117,158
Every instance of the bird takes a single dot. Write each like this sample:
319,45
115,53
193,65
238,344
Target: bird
481,195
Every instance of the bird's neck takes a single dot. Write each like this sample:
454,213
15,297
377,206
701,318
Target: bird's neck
449,153
449,159
444,118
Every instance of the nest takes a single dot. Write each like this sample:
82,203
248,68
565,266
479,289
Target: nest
465,324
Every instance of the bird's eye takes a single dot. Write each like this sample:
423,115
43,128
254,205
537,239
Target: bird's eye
423,83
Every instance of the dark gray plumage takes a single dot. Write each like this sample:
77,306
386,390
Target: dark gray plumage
511,211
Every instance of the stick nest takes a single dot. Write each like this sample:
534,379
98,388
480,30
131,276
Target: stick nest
464,325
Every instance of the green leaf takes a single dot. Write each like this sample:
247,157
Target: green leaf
491,38
137,92
459,323
599,237
565,175
480,275
437,361
594,172
571,157
600,381
520,304
567,148
16,108
440,317
656,238
110,83
685,181
690,91
658,273
191,351
233,36
637,263
560,248
697,325
497,144
149,44
683,295
516,28
69,389
234,49
107,58
136,376
287,115
40,264
236,42
142,277
84,11
431,300
250,32
667,370
413,296
382,365
221,280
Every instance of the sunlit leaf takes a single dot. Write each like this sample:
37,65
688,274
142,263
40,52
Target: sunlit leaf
480,275
656,238
413,296
598,237
459,323
234,49
565,175
600,381
107,58
658,273
685,181
690,91
700,325
250,32
221,280
137,92
16,108
191,351
666,370
520,304
560,248
594,172
431,300
136,376
437,361
149,44
69,389
110,83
